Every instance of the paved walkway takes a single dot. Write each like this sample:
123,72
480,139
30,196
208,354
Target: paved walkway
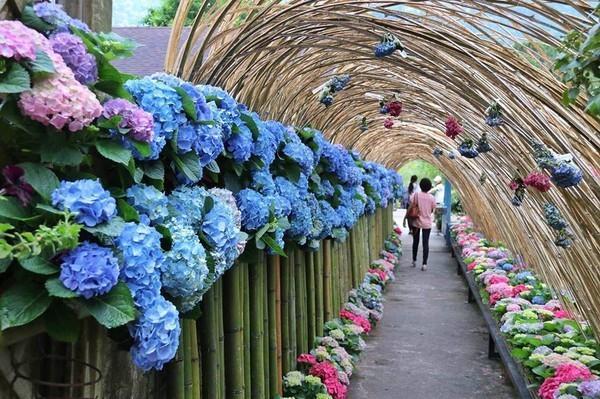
431,344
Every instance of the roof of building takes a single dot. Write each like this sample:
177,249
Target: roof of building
149,57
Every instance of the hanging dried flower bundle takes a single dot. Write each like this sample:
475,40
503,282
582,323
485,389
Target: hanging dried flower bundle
565,173
334,85
483,144
518,186
482,178
564,238
388,44
453,127
538,180
452,154
388,123
437,152
493,114
364,124
467,149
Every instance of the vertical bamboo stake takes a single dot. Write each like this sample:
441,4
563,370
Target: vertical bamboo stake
310,293
208,321
292,320
187,358
278,305
221,337
247,344
234,333
318,281
195,363
285,314
256,331
327,294
300,313
264,272
273,326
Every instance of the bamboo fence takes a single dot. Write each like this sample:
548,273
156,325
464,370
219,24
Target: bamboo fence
461,56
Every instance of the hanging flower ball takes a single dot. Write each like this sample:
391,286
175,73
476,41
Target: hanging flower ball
326,99
388,123
538,180
566,174
364,124
437,152
452,154
553,217
453,127
563,239
389,43
466,149
483,145
394,108
519,187
493,114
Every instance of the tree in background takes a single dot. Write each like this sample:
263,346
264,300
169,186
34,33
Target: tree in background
165,13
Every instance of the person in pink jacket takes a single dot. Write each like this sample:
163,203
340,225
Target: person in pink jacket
424,222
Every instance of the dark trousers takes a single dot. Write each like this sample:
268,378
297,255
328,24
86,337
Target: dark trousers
415,245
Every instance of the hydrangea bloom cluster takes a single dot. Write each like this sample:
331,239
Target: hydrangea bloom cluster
15,42
148,201
87,199
467,149
155,335
538,180
73,52
89,270
59,100
135,122
54,15
254,208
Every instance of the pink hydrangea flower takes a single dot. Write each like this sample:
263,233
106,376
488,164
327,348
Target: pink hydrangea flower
356,319
16,42
498,279
59,100
568,372
307,358
538,180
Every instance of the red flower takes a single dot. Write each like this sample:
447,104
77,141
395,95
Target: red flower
538,180
16,185
307,358
453,127
394,108
388,123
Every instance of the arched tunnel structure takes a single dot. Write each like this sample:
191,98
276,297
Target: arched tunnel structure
461,55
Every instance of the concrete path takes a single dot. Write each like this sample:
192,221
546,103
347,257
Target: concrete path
431,343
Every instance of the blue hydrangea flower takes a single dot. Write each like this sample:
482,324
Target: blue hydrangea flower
277,129
254,208
300,154
155,335
226,106
566,175
262,181
184,269
538,300
240,144
280,205
89,270
54,15
87,199
329,218
278,236
148,201
186,204
209,144
266,143
219,228
186,138
139,245
300,220
163,103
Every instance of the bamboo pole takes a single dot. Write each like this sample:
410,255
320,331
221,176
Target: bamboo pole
195,363
292,319
234,332
299,273
311,314
274,351
221,337
247,343
279,334
327,288
318,281
208,321
285,314
187,358
266,331
256,331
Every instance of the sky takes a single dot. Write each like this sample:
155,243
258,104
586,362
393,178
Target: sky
131,12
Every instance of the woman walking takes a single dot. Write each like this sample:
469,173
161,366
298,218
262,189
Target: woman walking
425,203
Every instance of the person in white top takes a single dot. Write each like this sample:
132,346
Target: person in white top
438,192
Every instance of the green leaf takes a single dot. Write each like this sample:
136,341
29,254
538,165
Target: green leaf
593,106
232,182
138,175
111,123
42,179
520,353
30,18
113,309
22,303
260,233
115,89
188,104
15,80
60,152
273,245
42,65
127,212
114,151
110,229
49,209
56,288
4,264
38,265
143,148
61,323
10,208
247,118
213,166
154,170
189,165
209,204
542,371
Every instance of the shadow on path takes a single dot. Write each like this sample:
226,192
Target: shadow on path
431,343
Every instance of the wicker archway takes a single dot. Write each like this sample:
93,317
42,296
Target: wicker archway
461,56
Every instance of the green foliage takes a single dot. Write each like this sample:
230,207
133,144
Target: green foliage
164,15
425,169
21,303
113,309
578,62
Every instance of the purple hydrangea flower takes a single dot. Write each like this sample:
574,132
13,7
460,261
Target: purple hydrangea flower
590,389
89,270
136,122
54,15
87,199
75,55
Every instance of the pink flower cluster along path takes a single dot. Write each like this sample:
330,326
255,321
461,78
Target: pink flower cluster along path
431,343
